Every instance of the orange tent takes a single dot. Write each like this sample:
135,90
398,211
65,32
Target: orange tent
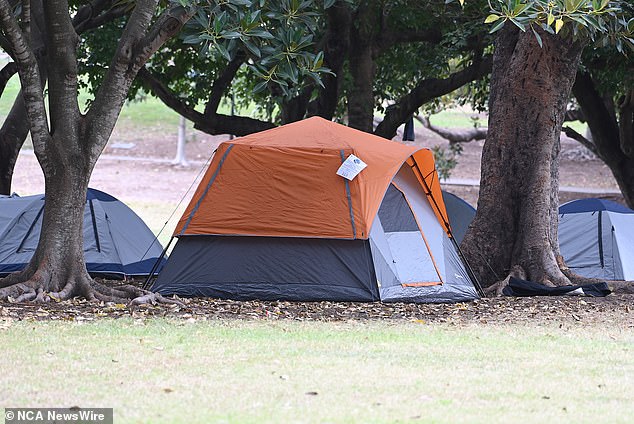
277,216
283,182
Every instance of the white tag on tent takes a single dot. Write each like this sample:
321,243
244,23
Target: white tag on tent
351,167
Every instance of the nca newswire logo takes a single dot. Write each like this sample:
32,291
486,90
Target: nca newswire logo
58,415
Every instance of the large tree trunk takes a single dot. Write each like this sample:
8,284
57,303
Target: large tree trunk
58,265
516,221
612,134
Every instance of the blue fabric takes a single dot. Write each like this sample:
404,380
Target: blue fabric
593,205
100,269
408,131
99,195
270,268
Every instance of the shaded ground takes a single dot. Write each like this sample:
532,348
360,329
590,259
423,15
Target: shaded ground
617,310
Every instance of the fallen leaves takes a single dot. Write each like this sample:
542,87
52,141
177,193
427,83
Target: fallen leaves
560,310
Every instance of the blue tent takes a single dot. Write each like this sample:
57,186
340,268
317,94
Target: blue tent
596,238
117,243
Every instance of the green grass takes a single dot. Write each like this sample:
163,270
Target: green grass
375,372
457,118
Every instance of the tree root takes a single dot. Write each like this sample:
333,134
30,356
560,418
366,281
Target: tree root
617,287
495,290
37,289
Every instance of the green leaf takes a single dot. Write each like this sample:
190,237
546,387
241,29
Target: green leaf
491,18
538,38
260,86
520,8
569,5
551,19
328,3
252,48
261,34
230,34
518,24
497,26
558,25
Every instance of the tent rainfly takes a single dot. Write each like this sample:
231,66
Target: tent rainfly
596,238
272,219
117,243
460,214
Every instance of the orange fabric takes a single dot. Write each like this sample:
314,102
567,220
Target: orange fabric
425,284
425,170
283,182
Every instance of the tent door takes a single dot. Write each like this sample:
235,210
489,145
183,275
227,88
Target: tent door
411,249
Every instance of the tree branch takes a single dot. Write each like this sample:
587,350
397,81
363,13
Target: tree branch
62,67
601,121
570,132
236,125
136,45
336,47
222,83
574,115
626,124
92,15
167,26
6,73
462,135
390,37
168,97
29,77
214,123
427,90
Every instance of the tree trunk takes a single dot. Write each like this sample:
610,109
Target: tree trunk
612,135
362,68
337,44
516,221
181,158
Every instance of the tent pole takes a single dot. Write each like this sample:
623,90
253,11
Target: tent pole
468,268
146,284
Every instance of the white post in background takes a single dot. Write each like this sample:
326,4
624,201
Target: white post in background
180,158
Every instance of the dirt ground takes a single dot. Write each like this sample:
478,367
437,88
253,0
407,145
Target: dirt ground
615,311
136,167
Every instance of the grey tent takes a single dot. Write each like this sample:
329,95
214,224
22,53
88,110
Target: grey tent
272,219
460,214
596,238
117,243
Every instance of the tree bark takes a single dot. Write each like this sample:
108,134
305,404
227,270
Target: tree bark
336,49
362,67
516,220
612,131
